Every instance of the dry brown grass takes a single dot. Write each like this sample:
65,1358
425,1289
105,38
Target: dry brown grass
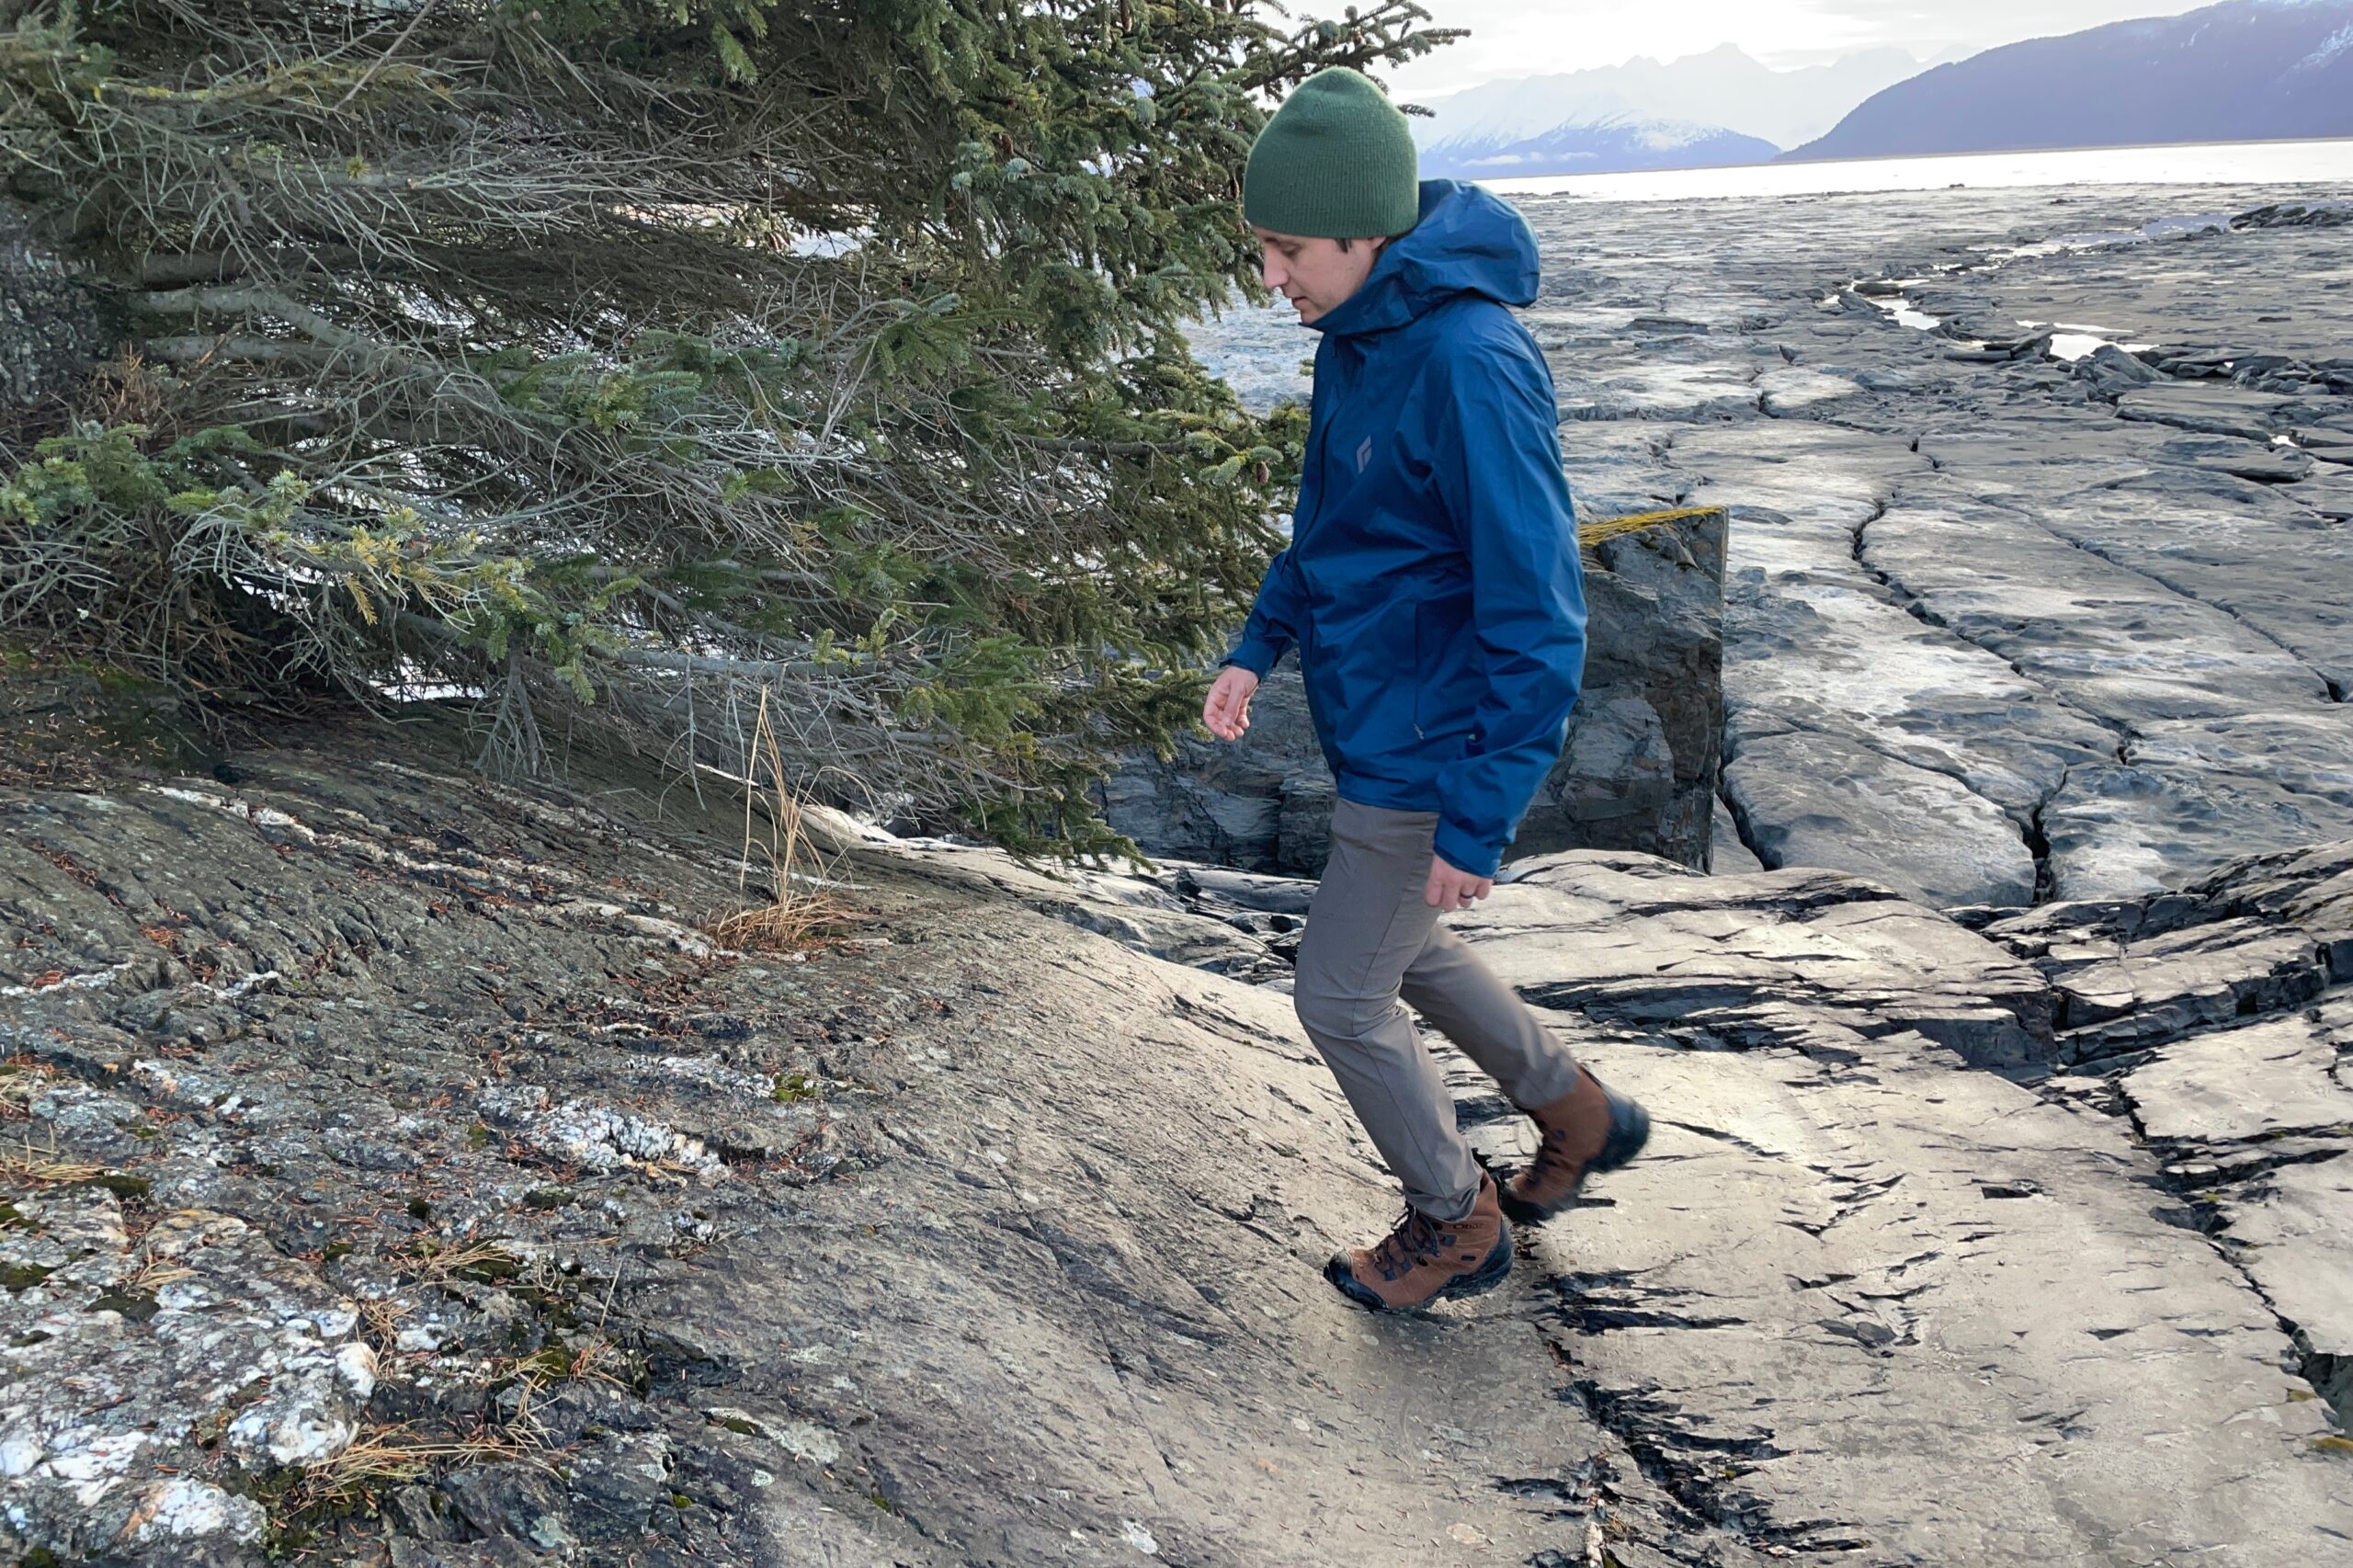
435,1264
21,1081
38,1167
151,1274
394,1456
796,915
1600,529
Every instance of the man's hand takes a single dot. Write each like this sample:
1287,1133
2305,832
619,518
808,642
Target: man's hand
1226,714
1450,887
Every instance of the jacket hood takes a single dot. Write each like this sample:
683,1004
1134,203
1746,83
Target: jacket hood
1467,241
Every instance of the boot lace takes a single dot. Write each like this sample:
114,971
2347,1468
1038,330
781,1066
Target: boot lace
1416,1240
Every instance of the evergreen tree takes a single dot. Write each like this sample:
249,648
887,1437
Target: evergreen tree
618,358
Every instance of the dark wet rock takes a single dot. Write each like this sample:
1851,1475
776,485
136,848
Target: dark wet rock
499,1551
2296,214
1638,771
522,1503
2113,372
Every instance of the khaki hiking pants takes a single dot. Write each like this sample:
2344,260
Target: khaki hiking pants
1371,939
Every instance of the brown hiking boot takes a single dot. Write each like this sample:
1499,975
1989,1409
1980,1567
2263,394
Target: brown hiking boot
1425,1260
1587,1130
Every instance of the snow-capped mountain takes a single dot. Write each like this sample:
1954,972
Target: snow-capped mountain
1601,146
1718,108
2243,70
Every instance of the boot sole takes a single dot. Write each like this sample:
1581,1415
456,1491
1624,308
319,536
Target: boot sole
1629,1128
1485,1277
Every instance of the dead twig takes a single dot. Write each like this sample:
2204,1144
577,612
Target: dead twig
794,913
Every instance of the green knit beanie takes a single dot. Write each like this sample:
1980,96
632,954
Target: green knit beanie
1336,161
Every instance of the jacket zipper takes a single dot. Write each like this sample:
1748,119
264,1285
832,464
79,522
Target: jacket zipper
1301,527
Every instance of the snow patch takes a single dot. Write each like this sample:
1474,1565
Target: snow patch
2332,46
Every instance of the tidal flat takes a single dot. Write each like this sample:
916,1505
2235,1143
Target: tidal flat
2039,571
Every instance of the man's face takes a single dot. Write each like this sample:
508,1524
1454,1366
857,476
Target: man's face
1314,274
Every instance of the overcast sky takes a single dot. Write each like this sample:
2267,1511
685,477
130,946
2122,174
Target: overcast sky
1530,37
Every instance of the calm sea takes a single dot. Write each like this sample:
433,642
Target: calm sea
2234,163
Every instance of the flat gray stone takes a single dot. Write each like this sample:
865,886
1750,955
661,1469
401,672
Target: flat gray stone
1628,939
2296,1229
2113,641
2266,461
2194,794
2251,1082
2329,492
1928,1318
2222,411
1825,800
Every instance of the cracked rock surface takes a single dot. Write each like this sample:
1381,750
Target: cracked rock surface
1864,1300
2039,573
1997,626
443,1197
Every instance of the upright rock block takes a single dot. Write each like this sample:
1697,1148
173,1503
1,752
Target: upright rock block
1645,743
1638,772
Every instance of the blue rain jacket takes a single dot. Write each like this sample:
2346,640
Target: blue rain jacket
1431,584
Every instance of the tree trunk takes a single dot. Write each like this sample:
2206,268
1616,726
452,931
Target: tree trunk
52,326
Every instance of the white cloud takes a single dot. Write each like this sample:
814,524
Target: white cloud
1527,37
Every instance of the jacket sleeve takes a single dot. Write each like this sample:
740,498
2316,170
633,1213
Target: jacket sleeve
1501,479
1274,619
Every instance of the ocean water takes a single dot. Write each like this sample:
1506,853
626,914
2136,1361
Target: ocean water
2231,163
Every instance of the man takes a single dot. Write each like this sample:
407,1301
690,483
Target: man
1433,590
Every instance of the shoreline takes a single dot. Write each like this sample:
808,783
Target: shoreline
2192,164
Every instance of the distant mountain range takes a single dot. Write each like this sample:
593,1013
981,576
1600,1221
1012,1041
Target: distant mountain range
1704,110
1603,146
2243,71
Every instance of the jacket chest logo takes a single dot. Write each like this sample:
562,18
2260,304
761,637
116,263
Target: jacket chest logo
1364,453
